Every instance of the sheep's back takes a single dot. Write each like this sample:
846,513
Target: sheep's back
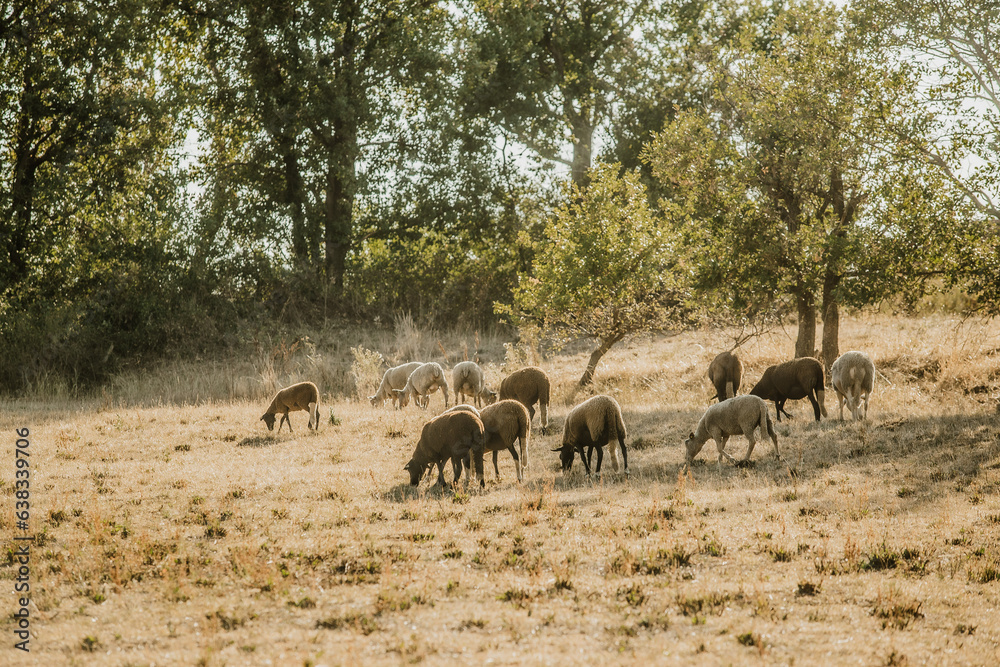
864,376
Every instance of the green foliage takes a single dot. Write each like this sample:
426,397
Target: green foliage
605,269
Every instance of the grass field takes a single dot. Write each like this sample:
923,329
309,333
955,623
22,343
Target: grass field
172,528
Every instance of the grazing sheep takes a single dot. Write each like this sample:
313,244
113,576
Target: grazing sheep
301,396
795,379
394,379
592,425
467,379
506,422
528,386
740,415
422,382
853,378
725,373
452,435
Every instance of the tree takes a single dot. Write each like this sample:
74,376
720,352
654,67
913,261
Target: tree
787,163
954,45
548,71
308,106
605,269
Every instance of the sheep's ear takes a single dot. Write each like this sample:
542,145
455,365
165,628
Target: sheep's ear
691,435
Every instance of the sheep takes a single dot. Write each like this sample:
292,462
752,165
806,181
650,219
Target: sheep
301,396
733,416
725,373
795,379
505,422
853,378
426,379
528,386
592,425
394,379
467,379
452,435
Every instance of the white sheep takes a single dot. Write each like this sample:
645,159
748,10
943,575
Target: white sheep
853,378
740,415
528,386
423,381
467,379
301,396
394,379
591,425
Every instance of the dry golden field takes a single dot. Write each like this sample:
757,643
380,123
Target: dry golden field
173,529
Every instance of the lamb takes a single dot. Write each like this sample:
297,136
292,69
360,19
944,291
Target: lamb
795,379
733,416
451,435
725,373
394,379
853,378
467,379
592,425
423,381
528,386
301,396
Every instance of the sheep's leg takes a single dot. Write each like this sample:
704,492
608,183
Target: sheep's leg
456,466
720,444
496,468
621,443
585,458
313,416
600,459
544,418
779,407
841,399
284,419
812,399
440,465
866,405
517,462
751,440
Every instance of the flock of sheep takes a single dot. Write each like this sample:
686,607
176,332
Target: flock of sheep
464,433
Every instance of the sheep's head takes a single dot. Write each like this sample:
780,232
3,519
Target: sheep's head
374,400
566,454
693,447
489,397
268,419
416,471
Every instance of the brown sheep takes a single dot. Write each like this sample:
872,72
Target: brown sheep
591,425
528,386
301,396
792,380
725,373
452,435
505,422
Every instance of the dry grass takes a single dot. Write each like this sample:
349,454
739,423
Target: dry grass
171,532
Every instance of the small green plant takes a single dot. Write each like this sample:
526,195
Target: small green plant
90,643
807,588
751,639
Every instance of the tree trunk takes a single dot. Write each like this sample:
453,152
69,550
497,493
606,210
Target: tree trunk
831,319
341,189
583,139
595,358
805,342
